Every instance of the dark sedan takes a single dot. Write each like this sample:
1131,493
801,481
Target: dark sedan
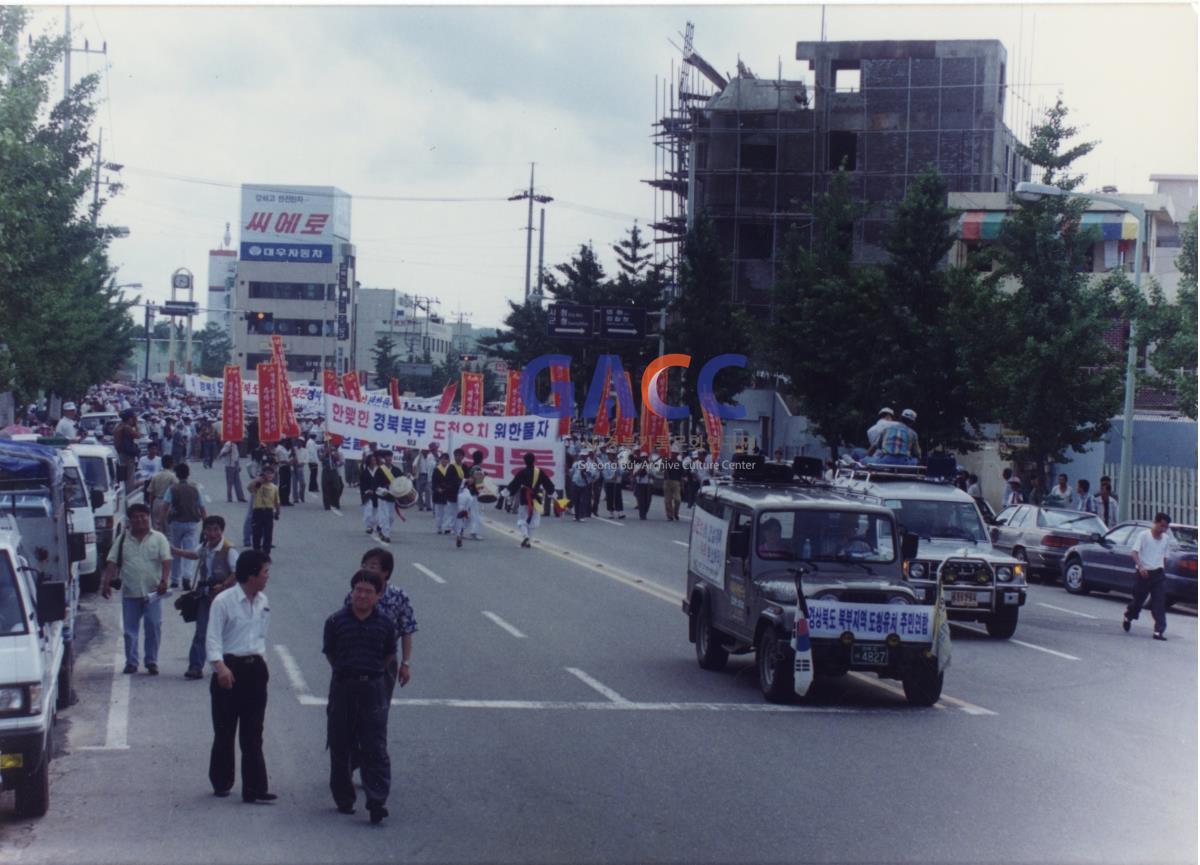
1041,536
1106,564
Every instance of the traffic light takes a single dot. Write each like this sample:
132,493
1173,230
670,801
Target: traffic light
468,358
260,322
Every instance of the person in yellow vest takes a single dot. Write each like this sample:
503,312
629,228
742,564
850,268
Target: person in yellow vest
437,491
385,508
528,485
450,482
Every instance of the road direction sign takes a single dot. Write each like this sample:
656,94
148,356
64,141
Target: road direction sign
179,307
570,321
621,322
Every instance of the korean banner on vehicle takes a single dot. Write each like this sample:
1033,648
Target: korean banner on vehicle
269,428
503,441
912,624
233,418
706,552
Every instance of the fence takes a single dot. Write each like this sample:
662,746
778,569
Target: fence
1171,489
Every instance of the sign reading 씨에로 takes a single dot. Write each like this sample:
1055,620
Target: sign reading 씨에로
706,553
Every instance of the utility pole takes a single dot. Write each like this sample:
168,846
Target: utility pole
149,316
86,49
541,251
531,197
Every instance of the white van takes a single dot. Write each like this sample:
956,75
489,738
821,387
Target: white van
98,462
31,654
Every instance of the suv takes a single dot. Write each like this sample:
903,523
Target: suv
31,656
981,583
811,581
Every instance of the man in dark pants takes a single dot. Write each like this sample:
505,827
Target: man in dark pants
1150,558
331,480
236,648
215,569
264,509
360,645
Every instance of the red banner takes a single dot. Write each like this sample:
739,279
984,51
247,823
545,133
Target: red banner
350,386
601,426
287,411
472,393
269,429
329,381
562,373
448,393
662,431
233,416
712,424
394,391
514,406
625,424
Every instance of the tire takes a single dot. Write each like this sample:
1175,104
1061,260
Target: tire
66,679
1003,624
1073,580
923,683
710,654
33,792
776,678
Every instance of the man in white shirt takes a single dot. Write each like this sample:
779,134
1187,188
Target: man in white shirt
66,427
231,458
423,468
236,646
149,465
1150,558
312,456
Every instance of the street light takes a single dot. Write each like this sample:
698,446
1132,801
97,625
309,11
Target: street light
1030,192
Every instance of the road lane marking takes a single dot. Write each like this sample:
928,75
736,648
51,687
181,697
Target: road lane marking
596,685
292,669
338,512
681,543
420,567
503,624
1054,652
620,576
892,688
116,735
1065,610
584,705
611,522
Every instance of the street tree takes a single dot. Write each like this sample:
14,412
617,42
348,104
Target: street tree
384,358
216,349
1056,381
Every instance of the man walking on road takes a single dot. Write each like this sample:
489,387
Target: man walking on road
1150,558
528,485
423,468
216,566
360,645
232,460
264,510
394,605
331,476
184,515
236,646
672,469
141,558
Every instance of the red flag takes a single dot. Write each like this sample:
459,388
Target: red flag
269,427
448,393
625,424
712,423
287,411
662,432
233,418
514,406
601,427
472,393
563,373
330,382
350,386
394,390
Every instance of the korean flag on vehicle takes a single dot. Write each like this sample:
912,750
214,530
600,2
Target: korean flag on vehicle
941,631
803,664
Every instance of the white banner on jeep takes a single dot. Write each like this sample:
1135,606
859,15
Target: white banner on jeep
831,619
706,553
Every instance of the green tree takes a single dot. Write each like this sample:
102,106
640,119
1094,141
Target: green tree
64,323
215,349
934,331
825,336
1172,327
384,359
703,321
1056,383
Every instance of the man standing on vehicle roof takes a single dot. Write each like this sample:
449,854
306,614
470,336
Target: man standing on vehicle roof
875,433
1150,558
66,427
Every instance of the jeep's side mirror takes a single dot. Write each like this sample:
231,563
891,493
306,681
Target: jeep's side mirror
739,544
51,601
908,545
97,499
1097,538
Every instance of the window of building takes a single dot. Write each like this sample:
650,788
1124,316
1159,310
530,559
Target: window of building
847,76
843,151
291,291
1000,98
754,240
306,363
290,327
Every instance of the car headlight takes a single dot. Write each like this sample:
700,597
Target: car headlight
916,570
899,599
1004,574
12,699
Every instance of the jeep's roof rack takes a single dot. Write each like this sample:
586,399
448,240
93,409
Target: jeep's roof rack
856,471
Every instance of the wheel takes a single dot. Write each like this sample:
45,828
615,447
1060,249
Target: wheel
1003,623
775,674
1073,580
923,683
710,654
33,792
66,678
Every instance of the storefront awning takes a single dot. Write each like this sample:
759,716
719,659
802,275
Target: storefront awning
985,224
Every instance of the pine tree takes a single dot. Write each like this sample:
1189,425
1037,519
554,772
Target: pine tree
384,359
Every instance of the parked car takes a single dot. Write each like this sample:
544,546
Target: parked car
99,465
1105,563
1040,537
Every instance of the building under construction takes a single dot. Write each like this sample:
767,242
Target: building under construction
753,153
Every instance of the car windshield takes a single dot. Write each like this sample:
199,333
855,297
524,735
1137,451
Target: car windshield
12,612
824,536
1073,521
73,489
939,519
94,472
1184,534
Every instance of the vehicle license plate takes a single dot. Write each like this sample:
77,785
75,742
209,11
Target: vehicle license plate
963,599
873,655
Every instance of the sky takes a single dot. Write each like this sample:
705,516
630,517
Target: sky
454,103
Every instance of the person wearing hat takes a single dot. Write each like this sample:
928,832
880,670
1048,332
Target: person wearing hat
451,481
66,427
528,486
611,471
467,503
437,490
875,433
583,472
899,444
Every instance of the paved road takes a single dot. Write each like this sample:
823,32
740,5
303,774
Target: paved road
557,714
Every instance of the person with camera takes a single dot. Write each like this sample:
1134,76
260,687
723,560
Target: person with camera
215,571
141,561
